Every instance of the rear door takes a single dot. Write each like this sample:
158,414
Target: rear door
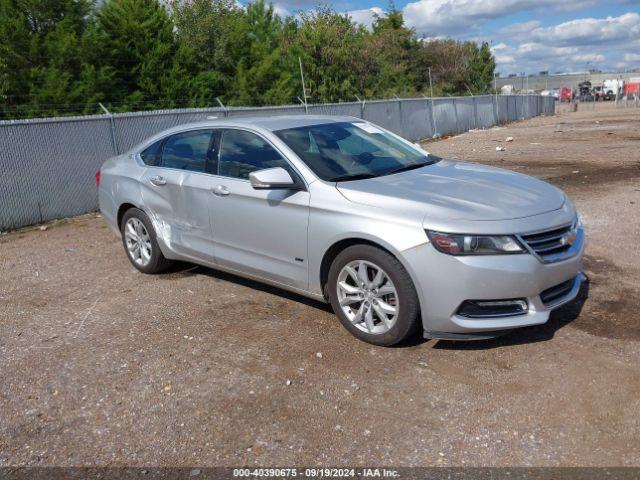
179,192
260,232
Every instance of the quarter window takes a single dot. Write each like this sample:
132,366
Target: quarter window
244,152
187,151
152,154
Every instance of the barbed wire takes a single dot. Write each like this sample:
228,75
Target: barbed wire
48,109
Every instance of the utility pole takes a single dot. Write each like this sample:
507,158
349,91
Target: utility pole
304,90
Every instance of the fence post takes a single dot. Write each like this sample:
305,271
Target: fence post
114,142
455,111
400,112
304,104
433,117
475,112
224,109
361,106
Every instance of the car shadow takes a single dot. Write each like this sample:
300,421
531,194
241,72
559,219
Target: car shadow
538,333
180,270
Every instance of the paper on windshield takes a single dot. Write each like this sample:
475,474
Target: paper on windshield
367,127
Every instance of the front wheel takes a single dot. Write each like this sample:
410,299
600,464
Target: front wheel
373,295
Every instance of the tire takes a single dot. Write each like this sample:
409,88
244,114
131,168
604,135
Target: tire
150,259
393,290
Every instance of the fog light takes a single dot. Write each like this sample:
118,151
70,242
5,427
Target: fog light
493,308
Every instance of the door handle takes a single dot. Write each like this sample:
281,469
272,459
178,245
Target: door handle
221,191
158,180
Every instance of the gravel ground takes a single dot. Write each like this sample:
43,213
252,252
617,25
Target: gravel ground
101,365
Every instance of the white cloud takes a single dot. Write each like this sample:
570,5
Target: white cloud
452,16
539,50
589,31
366,16
281,10
448,17
519,29
499,52
589,58
505,59
577,45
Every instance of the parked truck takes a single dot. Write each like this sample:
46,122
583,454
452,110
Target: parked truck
566,94
584,92
612,88
632,88
507,90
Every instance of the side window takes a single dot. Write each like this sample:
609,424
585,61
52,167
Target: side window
187,151
152,154
243,152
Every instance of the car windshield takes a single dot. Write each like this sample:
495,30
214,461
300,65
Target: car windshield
352,150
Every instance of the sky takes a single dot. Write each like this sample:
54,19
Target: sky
526,36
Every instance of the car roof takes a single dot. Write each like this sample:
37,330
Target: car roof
273,122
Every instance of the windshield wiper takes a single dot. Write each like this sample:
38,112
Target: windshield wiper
361,176
358,176
404,168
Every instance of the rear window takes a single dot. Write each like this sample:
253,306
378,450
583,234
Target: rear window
152,154
187,150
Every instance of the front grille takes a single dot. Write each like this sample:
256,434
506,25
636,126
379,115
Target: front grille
549,243
553,294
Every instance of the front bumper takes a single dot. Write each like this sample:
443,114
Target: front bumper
444,282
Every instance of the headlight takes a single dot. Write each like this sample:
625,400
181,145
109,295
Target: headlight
454,244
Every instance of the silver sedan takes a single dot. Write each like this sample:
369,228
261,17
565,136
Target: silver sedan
339,209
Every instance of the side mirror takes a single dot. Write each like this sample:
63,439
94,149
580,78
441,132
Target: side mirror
272,179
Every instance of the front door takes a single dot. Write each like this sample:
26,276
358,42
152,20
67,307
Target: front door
260,232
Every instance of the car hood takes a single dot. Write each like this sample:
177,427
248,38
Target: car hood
457,190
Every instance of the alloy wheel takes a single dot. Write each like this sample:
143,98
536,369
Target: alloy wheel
367,297
138,241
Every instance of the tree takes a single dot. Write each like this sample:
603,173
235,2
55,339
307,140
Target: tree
388,53
482,66
329,44
449,66
65,56
134,40
264,74
41,55
206,35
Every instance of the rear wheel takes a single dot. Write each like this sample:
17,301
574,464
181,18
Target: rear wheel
373,295
139,240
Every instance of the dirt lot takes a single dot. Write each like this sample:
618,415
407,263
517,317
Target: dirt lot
101,365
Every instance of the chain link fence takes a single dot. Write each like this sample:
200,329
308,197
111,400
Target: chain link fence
47,166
